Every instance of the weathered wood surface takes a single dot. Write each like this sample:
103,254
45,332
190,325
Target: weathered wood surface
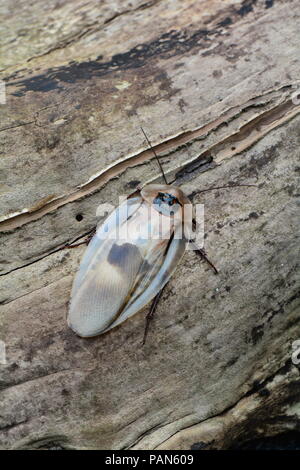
214,84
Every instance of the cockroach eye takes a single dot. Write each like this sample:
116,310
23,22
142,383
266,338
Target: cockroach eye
166,198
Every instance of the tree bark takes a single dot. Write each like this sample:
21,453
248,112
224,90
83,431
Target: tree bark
215,85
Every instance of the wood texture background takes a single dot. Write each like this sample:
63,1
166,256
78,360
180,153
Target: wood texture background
216,86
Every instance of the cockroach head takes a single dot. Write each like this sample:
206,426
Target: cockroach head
166,199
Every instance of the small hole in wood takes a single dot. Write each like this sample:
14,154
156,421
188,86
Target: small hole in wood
79,217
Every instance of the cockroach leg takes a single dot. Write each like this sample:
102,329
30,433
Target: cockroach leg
75,245
84,242
135,193
201,252
151,313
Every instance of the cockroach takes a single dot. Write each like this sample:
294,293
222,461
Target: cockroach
122,269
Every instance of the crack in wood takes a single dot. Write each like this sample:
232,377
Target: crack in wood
247,135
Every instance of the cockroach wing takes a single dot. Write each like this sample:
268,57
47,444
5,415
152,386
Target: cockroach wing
99,290
120,274
104,231
140,297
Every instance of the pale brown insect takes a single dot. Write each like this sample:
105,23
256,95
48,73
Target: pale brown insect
123,268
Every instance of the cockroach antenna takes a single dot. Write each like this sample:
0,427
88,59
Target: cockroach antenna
159,164
228,186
